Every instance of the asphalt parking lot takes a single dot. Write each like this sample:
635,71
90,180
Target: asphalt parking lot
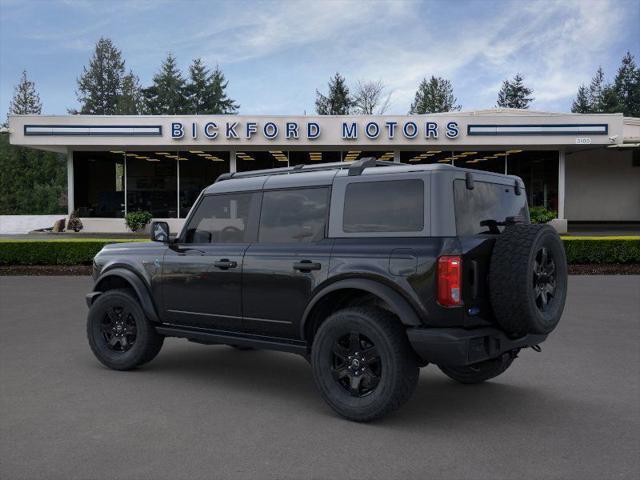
572,411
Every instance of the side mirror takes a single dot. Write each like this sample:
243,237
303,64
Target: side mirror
160,232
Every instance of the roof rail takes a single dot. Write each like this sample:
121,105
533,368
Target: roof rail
355,168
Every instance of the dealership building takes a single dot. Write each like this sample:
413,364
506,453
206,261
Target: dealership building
585,167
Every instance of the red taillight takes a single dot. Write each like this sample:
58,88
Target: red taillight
449,281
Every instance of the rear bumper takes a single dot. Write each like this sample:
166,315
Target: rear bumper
459,347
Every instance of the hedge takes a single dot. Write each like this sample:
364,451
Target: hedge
78,251
72,251
585,250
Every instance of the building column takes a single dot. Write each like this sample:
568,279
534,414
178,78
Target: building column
70,183
232,161
560,223
396,156
178,188
561,182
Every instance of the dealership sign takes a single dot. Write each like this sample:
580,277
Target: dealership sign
292,130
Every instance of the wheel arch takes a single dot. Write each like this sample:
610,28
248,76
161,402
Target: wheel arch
338,295
123,278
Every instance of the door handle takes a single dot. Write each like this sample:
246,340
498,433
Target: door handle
225,264
306,266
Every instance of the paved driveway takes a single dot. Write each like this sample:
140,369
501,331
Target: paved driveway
213,412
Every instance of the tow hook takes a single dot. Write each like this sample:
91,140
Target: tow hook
536,348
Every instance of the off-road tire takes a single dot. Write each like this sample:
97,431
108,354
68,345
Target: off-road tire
397,362
147,342
513,279
478,372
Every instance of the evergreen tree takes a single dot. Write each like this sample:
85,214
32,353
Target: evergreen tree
31,181
206,92
196,89
433,96
100,85
627,86
218,100
167,95
596,91
514,94
25,99
338,101
130,101
581,104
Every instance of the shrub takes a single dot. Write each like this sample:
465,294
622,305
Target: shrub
541,215
74,223
602,249
137,220
72,251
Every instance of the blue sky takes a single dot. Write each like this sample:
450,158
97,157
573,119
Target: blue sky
275,54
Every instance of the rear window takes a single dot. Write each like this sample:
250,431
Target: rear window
389,206
487,201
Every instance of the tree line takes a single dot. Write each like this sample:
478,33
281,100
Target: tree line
435,95
33,181
106,88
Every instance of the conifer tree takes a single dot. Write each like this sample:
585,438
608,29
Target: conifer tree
130,101
100,85
514,94
219,102
338,100
627,86
167,94
206,92
433,96
25,99
581,104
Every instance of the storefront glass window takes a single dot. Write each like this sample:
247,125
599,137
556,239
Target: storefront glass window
152,184
259,160
198,170
99,184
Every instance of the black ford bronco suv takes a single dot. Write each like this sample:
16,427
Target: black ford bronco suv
370,270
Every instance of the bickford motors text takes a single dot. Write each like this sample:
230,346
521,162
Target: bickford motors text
349,130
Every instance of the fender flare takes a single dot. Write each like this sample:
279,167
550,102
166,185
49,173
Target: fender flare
399,305
139,287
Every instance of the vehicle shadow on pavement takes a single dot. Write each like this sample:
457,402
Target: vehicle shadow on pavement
437,402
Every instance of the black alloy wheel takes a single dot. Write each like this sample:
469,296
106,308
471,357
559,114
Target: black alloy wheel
544,281
119,333
362,363
118,328
356,364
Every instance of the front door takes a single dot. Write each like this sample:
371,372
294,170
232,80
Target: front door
290,258
202,271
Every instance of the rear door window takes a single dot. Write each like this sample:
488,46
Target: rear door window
487,201
293,215
384,206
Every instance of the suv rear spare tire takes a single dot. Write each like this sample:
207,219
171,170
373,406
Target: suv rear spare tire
528,279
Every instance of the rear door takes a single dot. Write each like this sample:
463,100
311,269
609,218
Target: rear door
290,258
202,273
